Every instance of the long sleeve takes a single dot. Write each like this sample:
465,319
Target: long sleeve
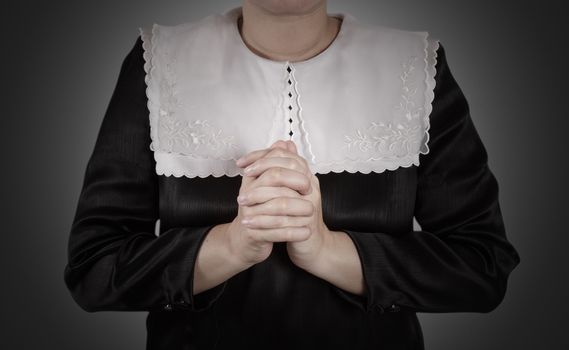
460,260
115,260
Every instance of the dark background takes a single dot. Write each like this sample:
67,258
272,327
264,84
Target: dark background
60,62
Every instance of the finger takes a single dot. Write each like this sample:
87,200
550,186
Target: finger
283,206
267,152
251,157
279,143
275,221
277,176
261,165
281,234
260,195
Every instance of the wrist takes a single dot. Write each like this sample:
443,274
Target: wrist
317,262
231,253
214,263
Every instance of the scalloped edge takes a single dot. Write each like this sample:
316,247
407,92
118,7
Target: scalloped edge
431,47
300,115
167,167
149,47
350,165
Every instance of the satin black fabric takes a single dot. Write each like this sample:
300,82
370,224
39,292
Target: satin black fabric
458,262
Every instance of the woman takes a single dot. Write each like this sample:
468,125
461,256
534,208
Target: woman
350,132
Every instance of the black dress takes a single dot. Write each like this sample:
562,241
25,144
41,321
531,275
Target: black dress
458,262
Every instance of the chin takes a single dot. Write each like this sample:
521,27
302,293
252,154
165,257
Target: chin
288,7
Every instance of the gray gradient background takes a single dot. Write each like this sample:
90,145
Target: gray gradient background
60,63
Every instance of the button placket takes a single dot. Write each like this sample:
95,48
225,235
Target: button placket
290,102
292,112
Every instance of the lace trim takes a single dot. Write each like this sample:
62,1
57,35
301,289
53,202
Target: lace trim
292,104
171,164
200,132
431,48
149,67
300,117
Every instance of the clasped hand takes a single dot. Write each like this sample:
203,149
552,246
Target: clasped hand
279,201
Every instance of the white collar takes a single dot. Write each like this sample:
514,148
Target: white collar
363,104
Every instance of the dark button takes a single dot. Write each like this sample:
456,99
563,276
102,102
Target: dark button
290,120
288,69
394,308
289,94
290,133
380,309
289,82
290,108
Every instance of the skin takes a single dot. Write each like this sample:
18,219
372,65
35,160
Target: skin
330,255
293,30
279,198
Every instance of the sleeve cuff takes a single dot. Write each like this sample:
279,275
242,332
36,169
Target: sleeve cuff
364,302
179,280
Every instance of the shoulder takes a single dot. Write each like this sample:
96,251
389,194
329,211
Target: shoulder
392,49
204,30
364,33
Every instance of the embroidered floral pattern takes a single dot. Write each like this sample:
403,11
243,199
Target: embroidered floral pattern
387,139
190,137
184,136
393,139
406,105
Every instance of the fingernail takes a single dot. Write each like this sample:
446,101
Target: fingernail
242,199
245,221
239,161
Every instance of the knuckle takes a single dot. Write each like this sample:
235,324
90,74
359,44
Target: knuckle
294,164
289,192
306,183
275,173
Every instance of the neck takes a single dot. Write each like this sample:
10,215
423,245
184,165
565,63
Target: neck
287,37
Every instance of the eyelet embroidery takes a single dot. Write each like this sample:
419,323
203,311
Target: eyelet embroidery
186,136
393,139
